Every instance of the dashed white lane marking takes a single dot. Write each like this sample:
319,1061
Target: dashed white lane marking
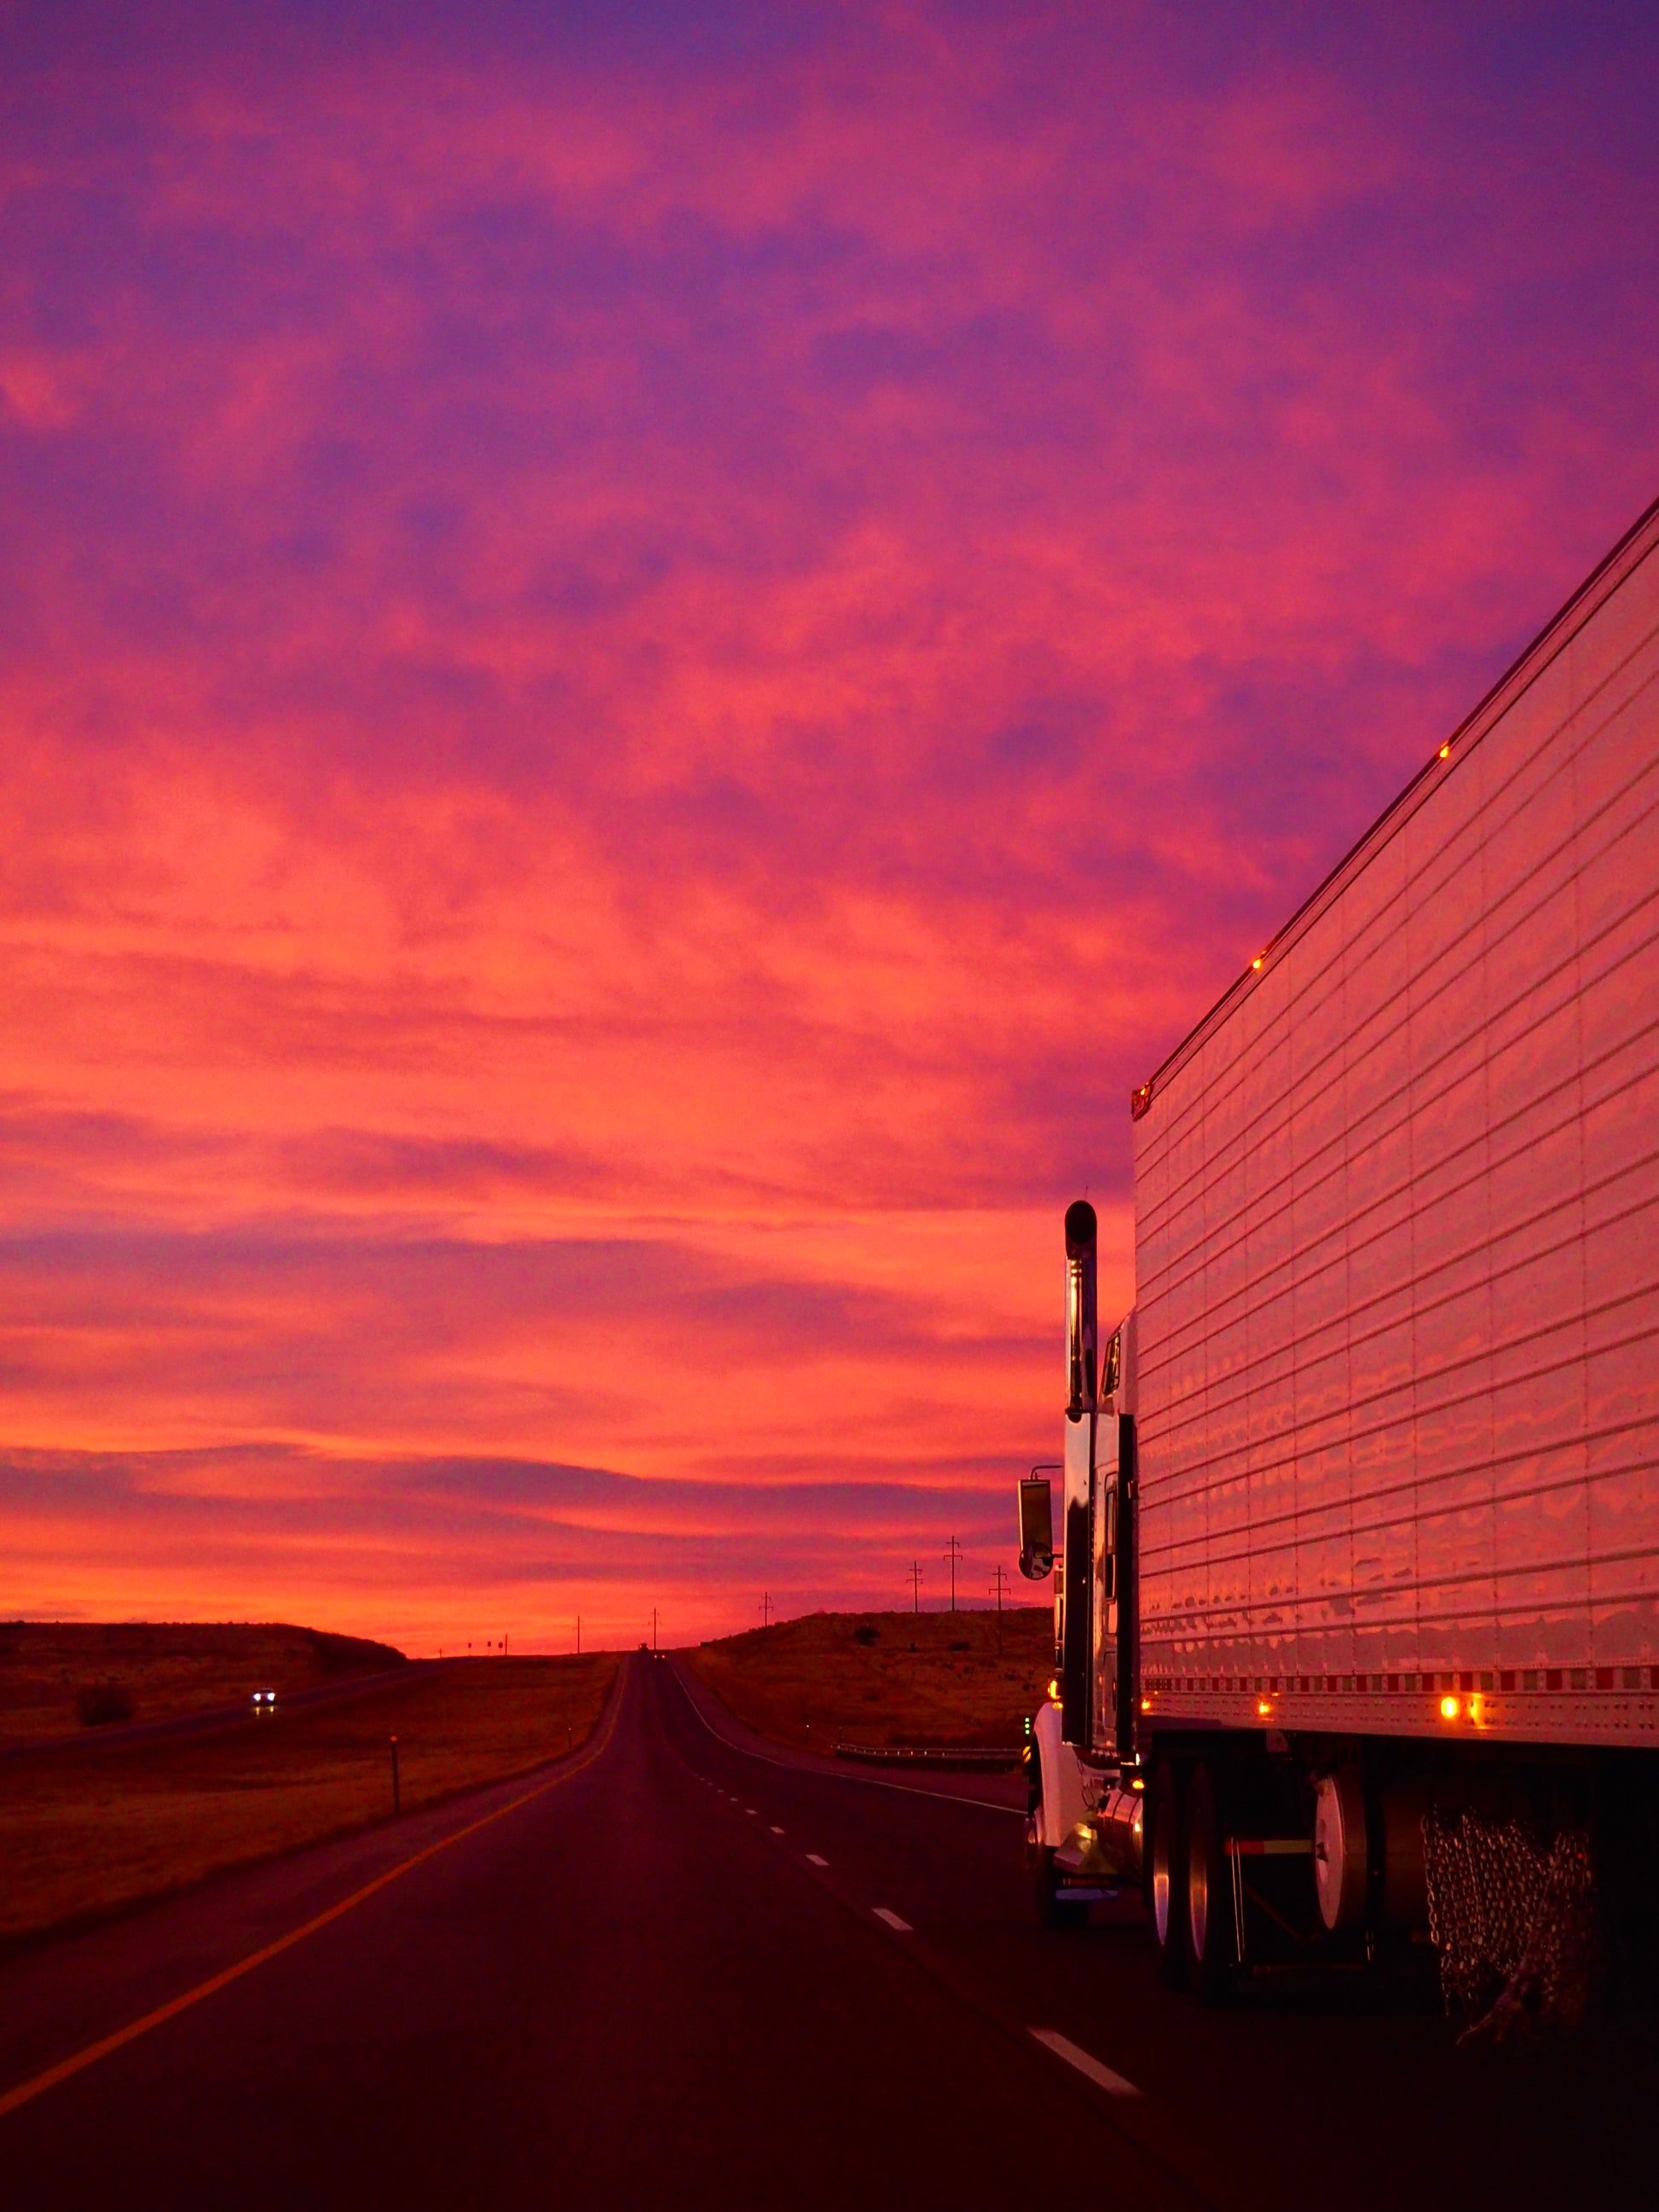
1115,2085
893,1921
814,1860
753,1814
777,1831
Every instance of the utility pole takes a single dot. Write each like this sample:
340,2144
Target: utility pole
766,1609
953,1553
999,1585
653,1628
915,1585
579,1635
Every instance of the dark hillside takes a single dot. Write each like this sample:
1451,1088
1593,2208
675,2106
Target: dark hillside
59,1677
885,1677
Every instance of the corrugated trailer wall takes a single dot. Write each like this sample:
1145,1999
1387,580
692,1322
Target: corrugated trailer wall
1397,1249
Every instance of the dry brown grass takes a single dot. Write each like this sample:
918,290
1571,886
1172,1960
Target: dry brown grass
165,1669
933,1678
92,1827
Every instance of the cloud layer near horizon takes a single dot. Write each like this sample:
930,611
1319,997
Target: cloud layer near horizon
645,664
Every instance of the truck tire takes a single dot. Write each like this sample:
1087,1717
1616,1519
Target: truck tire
1166,1876
1052,1909
1208,1921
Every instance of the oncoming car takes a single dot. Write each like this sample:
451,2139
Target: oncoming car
264,1702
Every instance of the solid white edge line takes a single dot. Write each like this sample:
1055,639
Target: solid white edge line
894,1920
1115,2085
814,1860
865,1781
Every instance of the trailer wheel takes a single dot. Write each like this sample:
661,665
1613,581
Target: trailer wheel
1166,1872
1208,1921
1052,1909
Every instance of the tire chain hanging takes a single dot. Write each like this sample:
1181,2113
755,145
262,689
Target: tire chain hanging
1513,1919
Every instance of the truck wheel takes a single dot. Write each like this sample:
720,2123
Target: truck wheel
1166,1872
1052,1909
1208,1923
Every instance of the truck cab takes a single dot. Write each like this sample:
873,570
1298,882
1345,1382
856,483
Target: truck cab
1084,1825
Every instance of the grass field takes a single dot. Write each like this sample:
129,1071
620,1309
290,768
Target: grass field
91,1827
884,1678
157,1670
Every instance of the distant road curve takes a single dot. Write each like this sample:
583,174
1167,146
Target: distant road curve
218,1717
1007,1791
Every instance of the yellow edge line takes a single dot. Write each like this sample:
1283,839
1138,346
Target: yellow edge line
26,2091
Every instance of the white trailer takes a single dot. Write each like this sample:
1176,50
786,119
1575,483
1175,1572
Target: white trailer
1357,1609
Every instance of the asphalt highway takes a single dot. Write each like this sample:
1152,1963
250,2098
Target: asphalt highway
686,1968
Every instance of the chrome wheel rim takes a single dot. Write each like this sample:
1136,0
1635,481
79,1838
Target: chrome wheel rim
1197,1895
1160,1882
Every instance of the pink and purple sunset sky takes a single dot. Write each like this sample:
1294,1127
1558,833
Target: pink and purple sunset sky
649,653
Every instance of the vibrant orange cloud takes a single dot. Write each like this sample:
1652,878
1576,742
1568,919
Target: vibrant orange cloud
642,671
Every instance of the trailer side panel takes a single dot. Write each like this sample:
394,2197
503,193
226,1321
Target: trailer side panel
1397,1251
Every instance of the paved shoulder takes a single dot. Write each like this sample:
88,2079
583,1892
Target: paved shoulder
1006,1792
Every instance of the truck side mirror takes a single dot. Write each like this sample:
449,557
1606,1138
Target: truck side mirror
1037,1528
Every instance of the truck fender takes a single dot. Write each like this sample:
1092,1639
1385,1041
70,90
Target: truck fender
1062,1803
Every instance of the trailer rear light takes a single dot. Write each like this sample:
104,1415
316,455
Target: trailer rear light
1263,1706
1449,1708
1446,753
1257,961
1146,1705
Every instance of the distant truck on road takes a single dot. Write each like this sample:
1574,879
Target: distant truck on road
1357,1615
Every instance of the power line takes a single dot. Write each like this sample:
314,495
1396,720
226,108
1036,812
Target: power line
999,1582
953,1553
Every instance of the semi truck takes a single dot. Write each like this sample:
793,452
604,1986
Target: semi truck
1355,1530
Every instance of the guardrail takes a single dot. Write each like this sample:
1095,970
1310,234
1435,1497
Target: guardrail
960,1757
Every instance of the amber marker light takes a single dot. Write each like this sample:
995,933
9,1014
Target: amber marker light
1146,1705
1264,1708
1446,753
1257,961
1449,1708
1054,1691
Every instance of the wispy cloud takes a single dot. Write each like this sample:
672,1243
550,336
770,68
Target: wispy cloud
648,657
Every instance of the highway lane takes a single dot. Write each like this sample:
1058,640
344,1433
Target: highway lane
624,1990
1269,2102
